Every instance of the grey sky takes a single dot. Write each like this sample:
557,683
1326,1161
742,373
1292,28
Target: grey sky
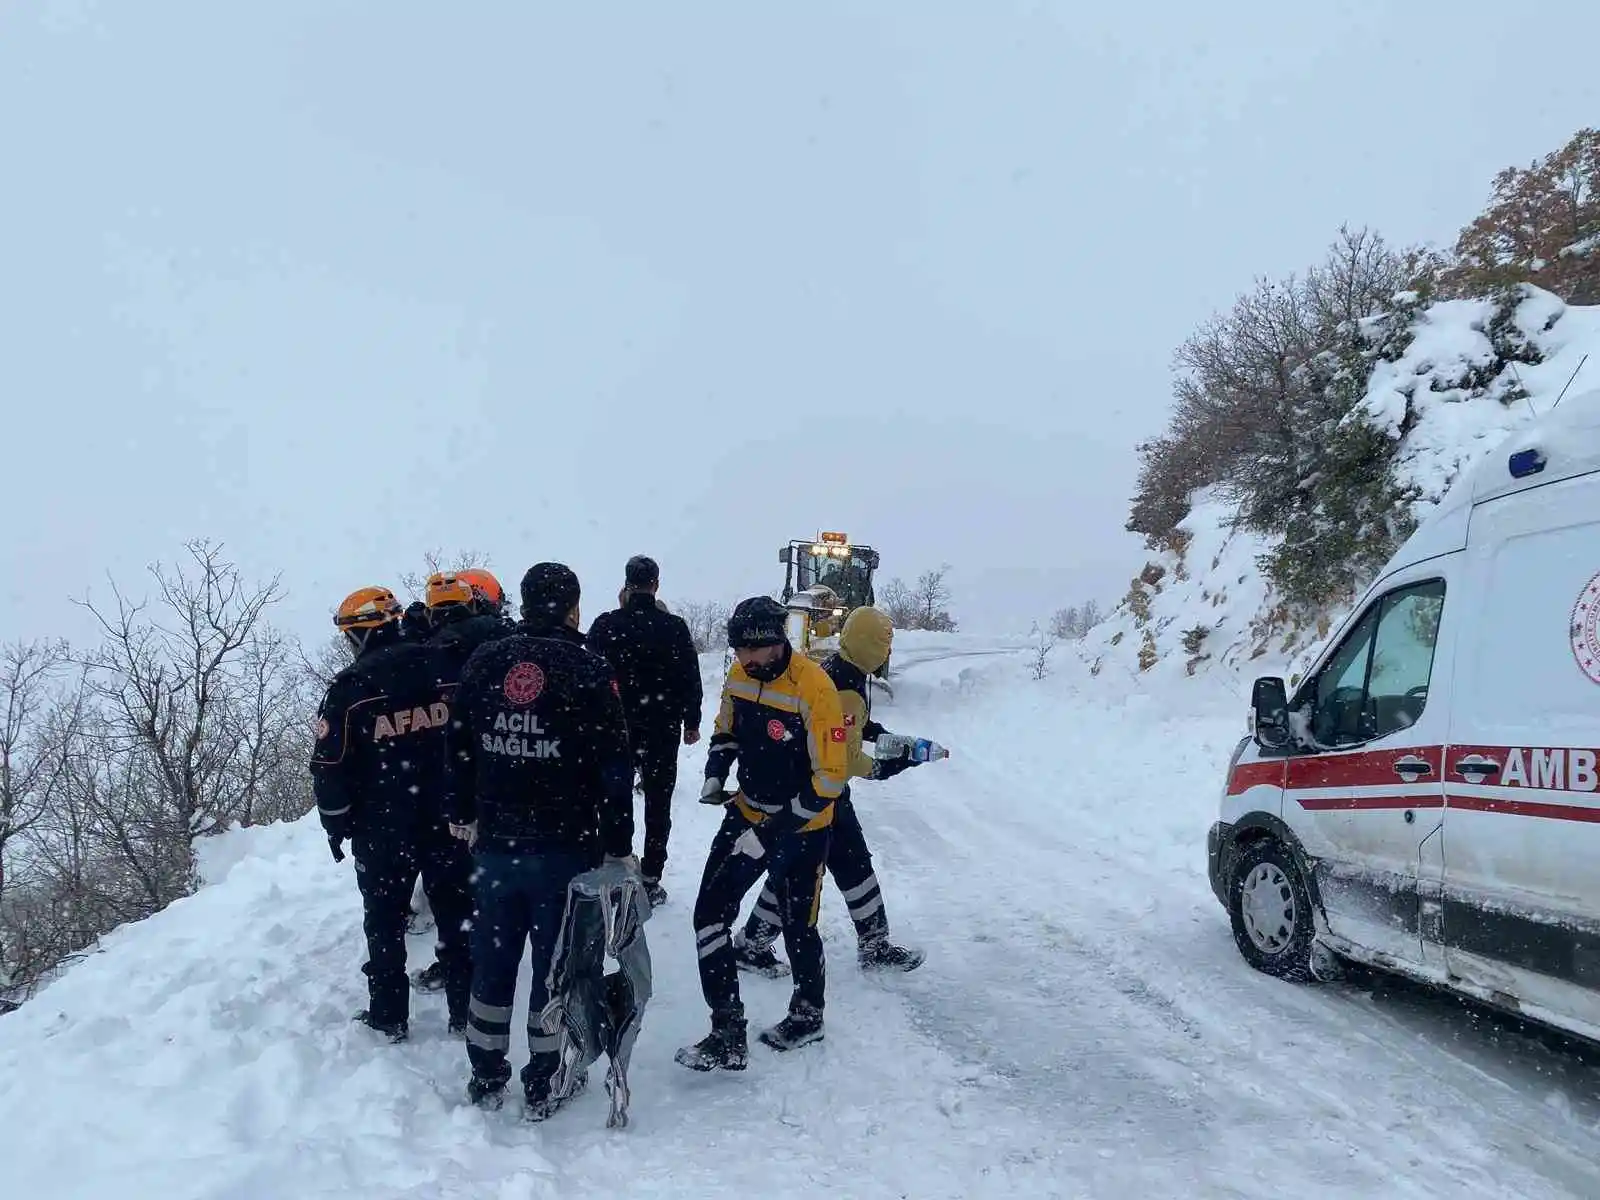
337,282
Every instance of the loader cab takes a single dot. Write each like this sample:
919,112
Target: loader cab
831,562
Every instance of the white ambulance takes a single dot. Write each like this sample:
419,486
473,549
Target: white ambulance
1426,801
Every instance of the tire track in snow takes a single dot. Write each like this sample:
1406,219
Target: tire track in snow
1079,956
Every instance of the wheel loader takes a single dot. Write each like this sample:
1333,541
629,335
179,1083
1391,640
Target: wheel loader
825,579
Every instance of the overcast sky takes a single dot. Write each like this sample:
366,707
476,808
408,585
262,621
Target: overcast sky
336,282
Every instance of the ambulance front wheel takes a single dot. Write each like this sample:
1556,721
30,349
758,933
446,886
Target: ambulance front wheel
1270,910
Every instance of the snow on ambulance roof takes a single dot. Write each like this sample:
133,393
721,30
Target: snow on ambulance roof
1565,440
1559,444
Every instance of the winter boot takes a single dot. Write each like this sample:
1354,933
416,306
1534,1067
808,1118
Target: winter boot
429,979
539,1105
395,1031
486,1094
801,1027
880,954
759,959
655,893
723,1049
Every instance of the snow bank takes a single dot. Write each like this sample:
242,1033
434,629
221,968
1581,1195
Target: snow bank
1083,1026
1446,402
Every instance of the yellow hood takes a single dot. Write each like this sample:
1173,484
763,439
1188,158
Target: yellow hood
865,639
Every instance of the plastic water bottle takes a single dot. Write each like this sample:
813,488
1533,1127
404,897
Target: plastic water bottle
917,749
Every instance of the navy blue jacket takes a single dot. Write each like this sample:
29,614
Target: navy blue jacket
539,747
379,760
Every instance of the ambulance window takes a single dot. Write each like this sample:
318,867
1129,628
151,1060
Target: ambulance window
1377,681
1336,711
1402,657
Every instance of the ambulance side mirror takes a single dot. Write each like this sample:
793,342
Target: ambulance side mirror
786,555
1269,711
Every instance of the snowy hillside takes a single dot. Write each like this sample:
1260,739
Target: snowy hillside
1449,399
1083,1026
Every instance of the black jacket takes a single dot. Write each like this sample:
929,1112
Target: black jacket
379,760
539,747
655,661
458,637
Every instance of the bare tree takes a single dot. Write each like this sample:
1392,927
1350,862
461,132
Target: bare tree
896,600
55,907
32,763
192,714
932,599
1071,624
708,624
195,698
925,606
434,561
331,657
1064,624
29,759
1044,643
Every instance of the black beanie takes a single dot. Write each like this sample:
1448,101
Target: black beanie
549,592
758,621
641,572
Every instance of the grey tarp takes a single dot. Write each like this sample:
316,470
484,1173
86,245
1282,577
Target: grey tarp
592,1012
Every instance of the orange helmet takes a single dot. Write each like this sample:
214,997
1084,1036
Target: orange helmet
446,587
367,608
485,585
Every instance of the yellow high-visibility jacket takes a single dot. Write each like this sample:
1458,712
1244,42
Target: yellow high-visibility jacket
790,742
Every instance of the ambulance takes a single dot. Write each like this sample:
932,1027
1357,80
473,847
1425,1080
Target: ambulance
1427,799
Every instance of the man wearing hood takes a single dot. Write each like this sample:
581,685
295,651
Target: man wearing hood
541,787
864,646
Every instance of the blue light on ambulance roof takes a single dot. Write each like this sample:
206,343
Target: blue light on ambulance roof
1526,462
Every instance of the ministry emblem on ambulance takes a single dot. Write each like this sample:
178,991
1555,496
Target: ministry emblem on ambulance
1585,630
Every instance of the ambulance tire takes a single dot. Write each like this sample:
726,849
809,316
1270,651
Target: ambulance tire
1269,907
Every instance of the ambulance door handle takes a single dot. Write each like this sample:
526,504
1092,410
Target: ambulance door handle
1481,767
1412,766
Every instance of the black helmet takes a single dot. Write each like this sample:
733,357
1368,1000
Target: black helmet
758,621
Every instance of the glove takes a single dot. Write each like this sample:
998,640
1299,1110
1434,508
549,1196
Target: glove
713,792
888,768
340,829
468,833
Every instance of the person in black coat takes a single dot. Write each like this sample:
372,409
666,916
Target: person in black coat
462,611
540,786
658,671
378,770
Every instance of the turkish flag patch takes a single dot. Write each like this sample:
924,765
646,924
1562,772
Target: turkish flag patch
836,733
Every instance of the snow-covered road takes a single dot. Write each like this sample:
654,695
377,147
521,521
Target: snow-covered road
1083,1025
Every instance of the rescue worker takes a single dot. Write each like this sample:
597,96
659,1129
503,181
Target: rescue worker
864,646
540,787
378,769
657,668
414,624
463,611
780,718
